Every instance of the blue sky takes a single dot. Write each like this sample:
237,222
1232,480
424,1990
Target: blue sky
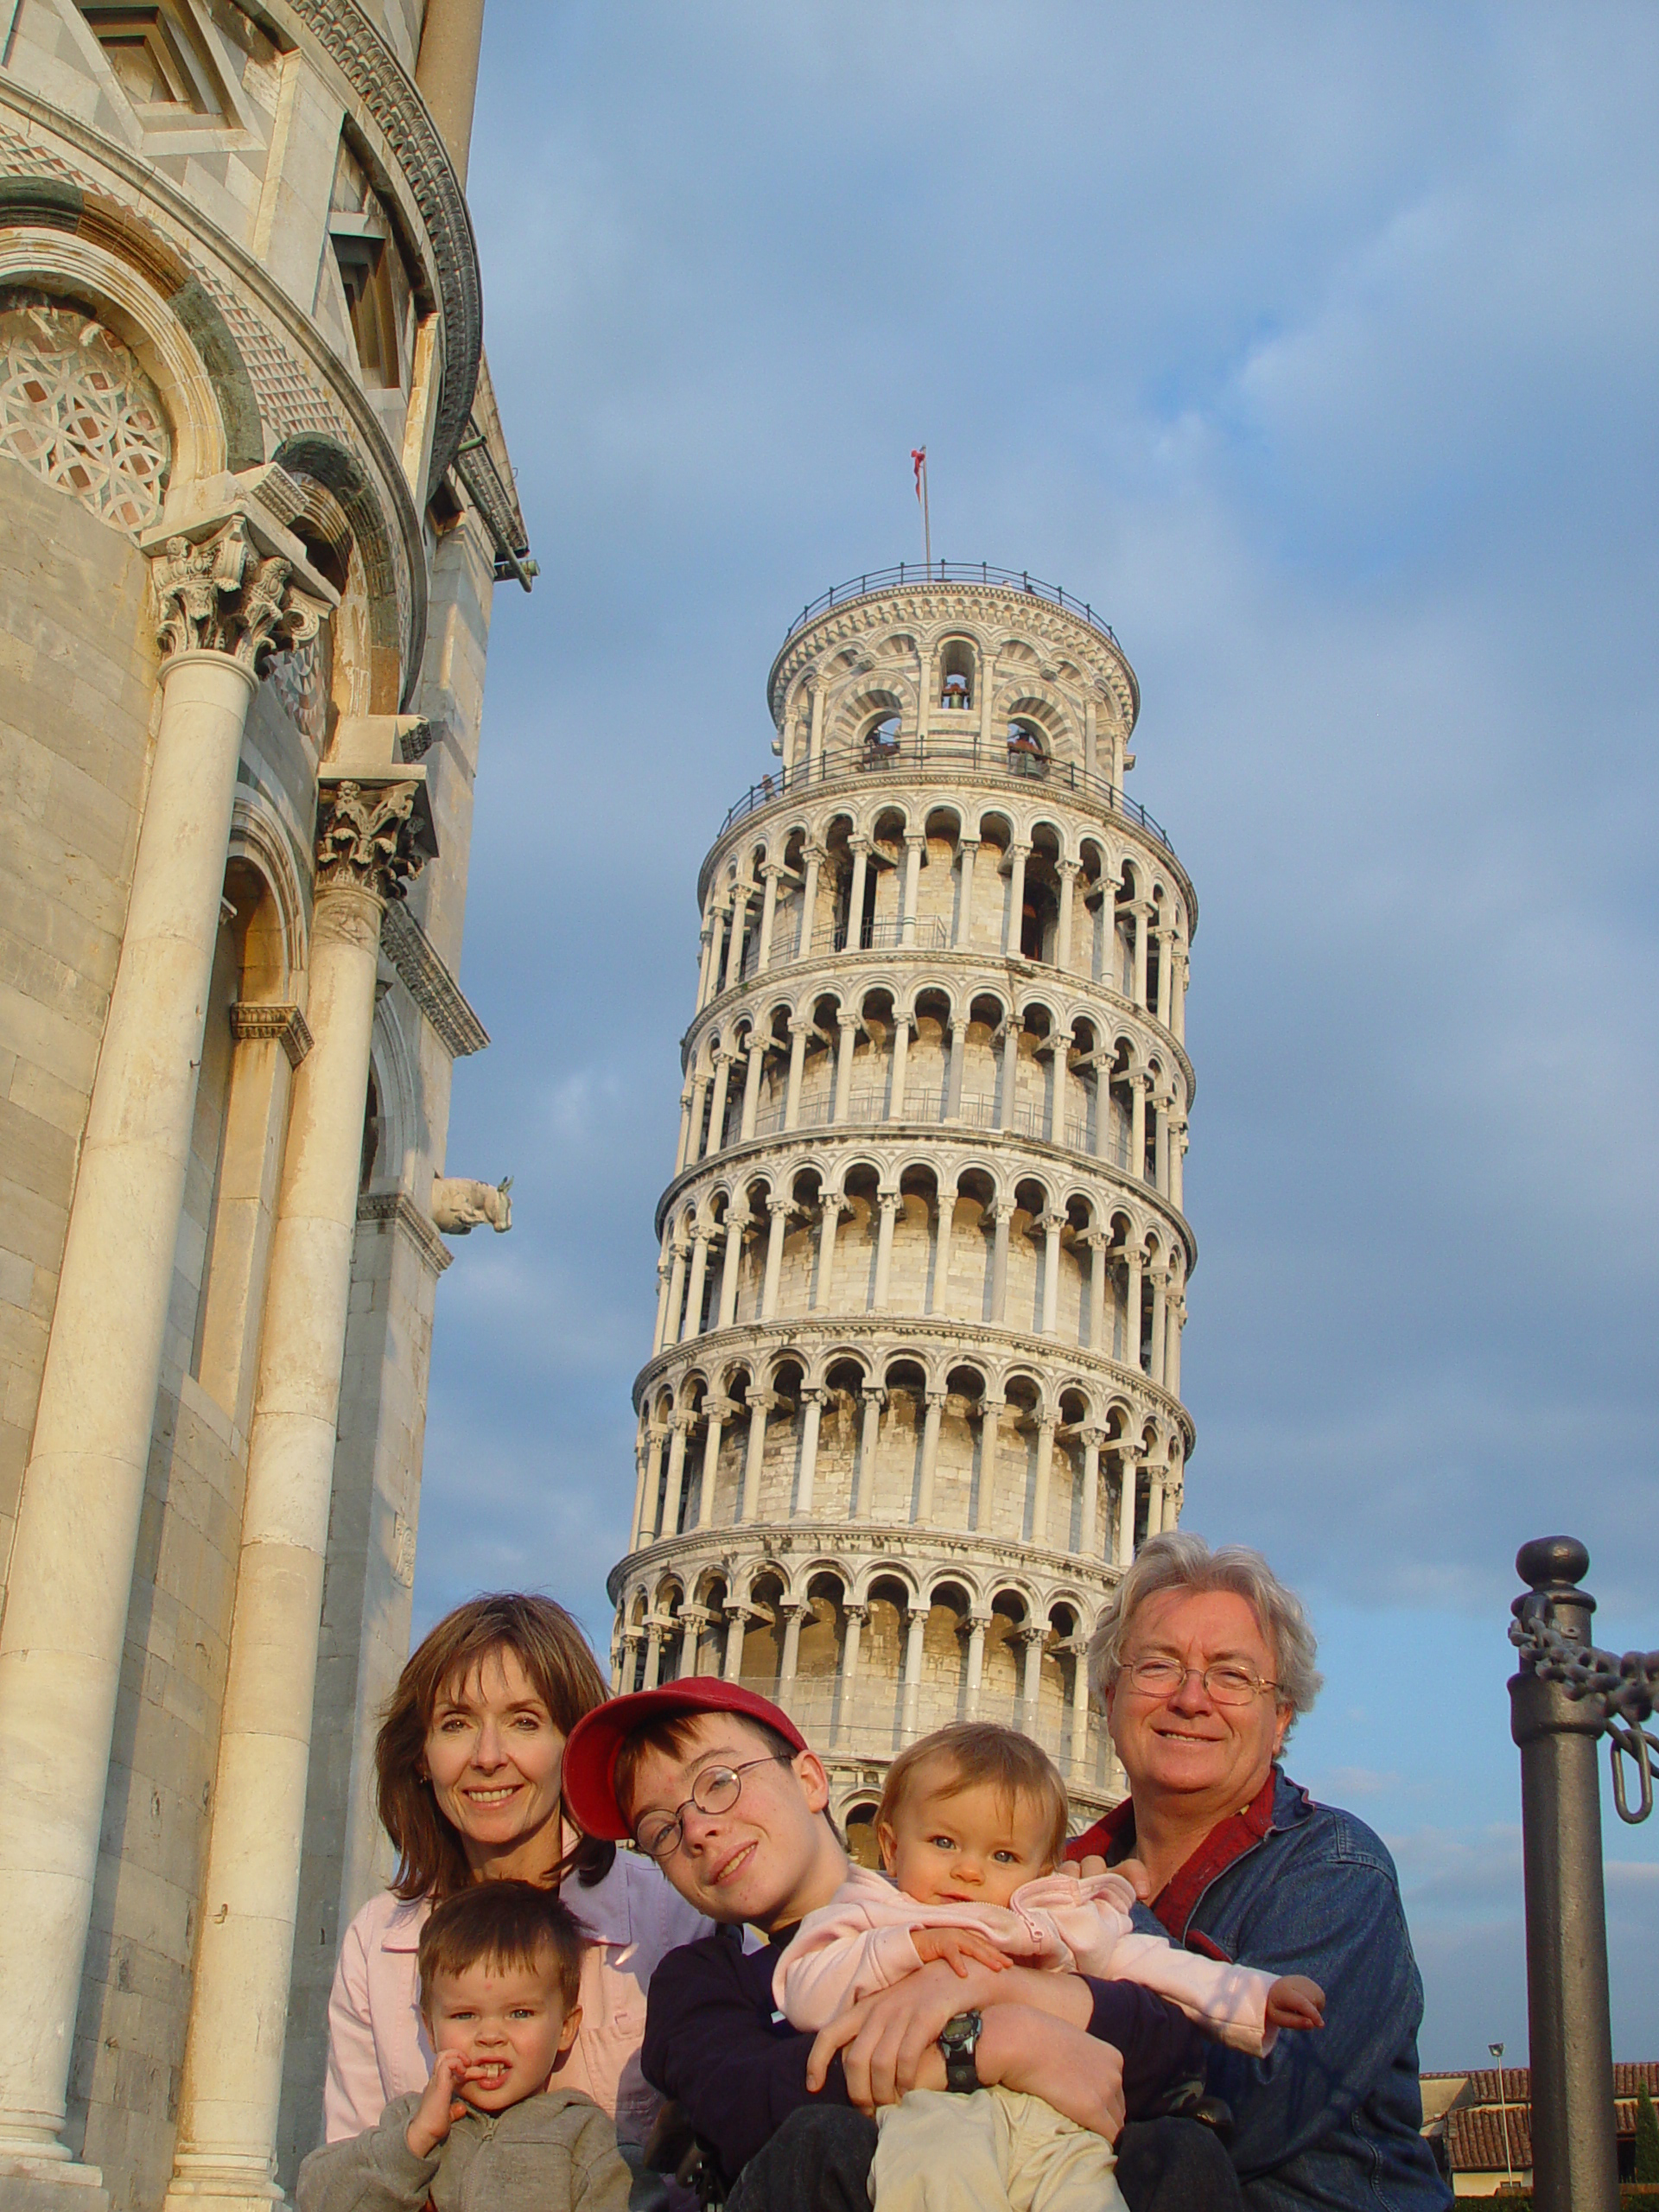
1315,346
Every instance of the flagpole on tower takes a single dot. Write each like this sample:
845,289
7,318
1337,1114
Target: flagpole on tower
919,460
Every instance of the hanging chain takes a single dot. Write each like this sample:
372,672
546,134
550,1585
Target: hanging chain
1621,1692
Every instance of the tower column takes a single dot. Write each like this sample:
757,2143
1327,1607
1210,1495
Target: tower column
915,844
1099,1329
691,1325
968,848
792,1611
900,1066
1010,1083
678,1426
715,1140
849,1026
1089,1518
1079,1706
1045,1474
830,1210
768,915
874,1398
977,1624
1138,1086
1140,916
1004,1214
369,840
856,1616
779,1209
656,1433
654,1651
860,848
940,1301
716,1413
1018,854
755,1053
953,1081
813,1400
815,858
1068,872
1160,1143
1032,1635
915,1628
1174,1322
1127,1457
989,1437
676,1294
930,1457
742,894
1155,1364
1134,1260
1166,948
798,1029
1053,1227
888,1203
761,1402
737,1621
1177,1160
220,606
716,949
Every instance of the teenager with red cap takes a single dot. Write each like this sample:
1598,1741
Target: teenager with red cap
719,1788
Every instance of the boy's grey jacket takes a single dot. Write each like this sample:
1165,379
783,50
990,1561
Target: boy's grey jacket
556,2153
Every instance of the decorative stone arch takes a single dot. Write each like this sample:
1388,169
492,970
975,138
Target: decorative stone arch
125,298
259,835
884,1568
393,603
822,1362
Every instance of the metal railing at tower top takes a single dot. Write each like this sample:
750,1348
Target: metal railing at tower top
949,572
920,753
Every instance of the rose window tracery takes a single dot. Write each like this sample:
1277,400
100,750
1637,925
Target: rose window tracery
77,409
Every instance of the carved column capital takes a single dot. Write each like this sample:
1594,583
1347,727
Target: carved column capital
370,835
227,593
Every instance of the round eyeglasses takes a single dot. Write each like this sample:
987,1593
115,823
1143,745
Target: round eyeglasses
1225,1683
717,1790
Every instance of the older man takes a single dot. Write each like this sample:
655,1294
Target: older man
1203,1661
719,1787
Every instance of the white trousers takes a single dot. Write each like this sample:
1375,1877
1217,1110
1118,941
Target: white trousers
996,2151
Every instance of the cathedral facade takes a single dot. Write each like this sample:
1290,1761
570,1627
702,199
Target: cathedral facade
914,1395
254,498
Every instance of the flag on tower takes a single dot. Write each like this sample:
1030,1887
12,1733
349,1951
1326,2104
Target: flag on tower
919,460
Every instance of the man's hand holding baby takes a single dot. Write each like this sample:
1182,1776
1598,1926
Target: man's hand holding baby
1295,2002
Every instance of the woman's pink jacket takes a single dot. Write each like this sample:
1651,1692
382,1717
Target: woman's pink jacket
377,2049
861,1942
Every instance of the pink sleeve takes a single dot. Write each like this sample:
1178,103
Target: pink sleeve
1229,2002
353,2096
837,1958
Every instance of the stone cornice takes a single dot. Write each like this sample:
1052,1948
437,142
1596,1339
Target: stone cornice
894,1335
251,1021
928,1553
866,1138
431,986
245,276
401,1210
1028,979
931,606
377,79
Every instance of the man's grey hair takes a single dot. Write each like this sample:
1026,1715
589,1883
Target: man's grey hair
1177,1560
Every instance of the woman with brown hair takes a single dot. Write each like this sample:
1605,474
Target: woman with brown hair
468,1766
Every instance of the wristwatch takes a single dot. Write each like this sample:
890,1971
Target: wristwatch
958,2040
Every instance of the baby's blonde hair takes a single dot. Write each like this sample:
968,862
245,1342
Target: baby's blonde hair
977,1752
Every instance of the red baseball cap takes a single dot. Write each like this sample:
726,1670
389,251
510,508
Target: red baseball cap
591,1748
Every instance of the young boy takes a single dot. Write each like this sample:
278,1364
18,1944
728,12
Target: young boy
500,1965
972,1826
719,1786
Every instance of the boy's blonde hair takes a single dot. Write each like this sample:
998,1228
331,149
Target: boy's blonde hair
975,1753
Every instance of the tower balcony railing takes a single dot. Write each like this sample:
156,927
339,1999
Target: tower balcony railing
923,753
949,572
870,1108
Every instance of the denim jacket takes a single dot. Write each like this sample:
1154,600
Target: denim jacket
1330,2118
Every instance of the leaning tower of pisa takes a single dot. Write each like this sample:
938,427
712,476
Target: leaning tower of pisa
914,1392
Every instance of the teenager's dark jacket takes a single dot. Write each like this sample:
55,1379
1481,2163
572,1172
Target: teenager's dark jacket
715,2042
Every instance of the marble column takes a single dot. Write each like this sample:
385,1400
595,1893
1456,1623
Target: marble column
1165,962
1010,1083
940,1300
930,1457
1068,875
860,848
675,1295
915,845
717,949
798,1035
1054,1228
1032,1636
731,1269
869,1440
888,1203
830,1210
664,1277
692,1323
977,1624
715,1141
779,1209
968,848
1175,1321
678,1424
812,1401
1141,915
1089,1517
755,1051
226,593
1177,1163
847,1025
989,1438
1127,1461
716,1413
1100,1339
815,858
1045,1476
1018,854
1134,1260
655,1436
681,1150
769,872
373,830
793,1612
1138,1088
653,1652
761,1402
1160,1105
1002,1216
1159,1296
856,1616
953,1079
1079,1706
915,1626
900,1066
742,894
737,1621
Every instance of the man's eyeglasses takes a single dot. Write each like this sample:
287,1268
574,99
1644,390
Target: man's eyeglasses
1225,1683
717,1790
